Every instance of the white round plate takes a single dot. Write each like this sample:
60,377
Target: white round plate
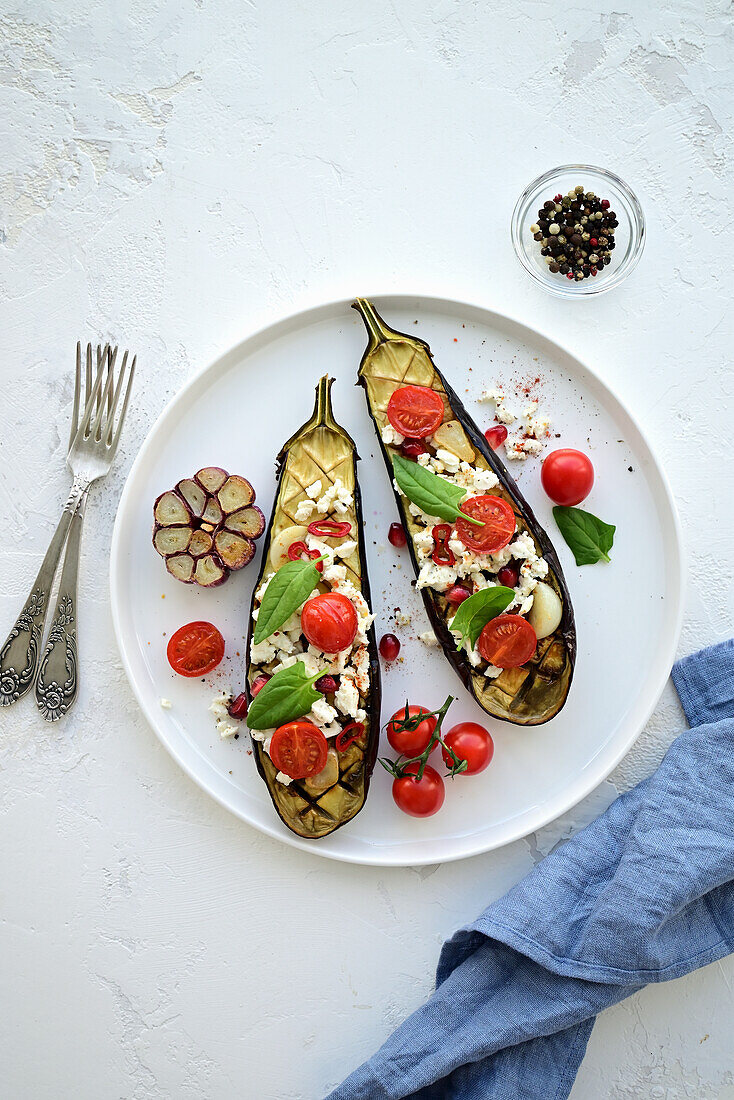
239,411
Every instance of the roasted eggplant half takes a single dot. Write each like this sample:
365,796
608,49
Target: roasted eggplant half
318,513
528,694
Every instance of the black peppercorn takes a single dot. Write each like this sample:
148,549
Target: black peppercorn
554,268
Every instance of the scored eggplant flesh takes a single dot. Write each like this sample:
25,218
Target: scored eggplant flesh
206,527
535,692
321,450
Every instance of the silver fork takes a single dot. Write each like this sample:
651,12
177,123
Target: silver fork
93,443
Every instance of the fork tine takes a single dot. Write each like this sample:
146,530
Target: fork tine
102,401
121,421
77,391
93,395
115,399
90,384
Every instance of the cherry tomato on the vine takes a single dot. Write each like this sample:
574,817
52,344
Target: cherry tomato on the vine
419,797
470,742
410,742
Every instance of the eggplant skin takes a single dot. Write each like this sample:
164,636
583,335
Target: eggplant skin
536,692
306,814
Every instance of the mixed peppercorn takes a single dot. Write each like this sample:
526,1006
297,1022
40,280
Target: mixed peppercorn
576,233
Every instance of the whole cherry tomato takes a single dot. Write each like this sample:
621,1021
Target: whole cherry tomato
567,476
419,797
470,742
410,742
329,622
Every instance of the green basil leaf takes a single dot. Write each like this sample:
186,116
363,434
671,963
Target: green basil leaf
589,538
476,611
292,584
434,495
287,695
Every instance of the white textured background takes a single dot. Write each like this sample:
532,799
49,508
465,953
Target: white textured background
173,174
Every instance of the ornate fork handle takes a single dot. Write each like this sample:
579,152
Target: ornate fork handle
56,686
19,655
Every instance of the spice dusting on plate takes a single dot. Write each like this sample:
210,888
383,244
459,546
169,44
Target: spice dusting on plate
576,233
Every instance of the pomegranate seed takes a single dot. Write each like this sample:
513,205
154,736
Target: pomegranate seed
457,594
238,708
496,436
605,204
508,576
411,448
258,685
396,536
327,684
389,647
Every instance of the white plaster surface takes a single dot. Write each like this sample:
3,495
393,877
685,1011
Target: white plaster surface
173,174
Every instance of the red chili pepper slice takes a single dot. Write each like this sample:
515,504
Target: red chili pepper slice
348,735
442,554
329,528
298,551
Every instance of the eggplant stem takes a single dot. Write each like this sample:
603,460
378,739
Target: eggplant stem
321,417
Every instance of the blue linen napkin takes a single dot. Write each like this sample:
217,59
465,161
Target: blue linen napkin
643,894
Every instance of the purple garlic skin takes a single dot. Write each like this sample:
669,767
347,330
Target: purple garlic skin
206,527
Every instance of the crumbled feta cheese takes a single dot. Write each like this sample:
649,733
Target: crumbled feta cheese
365,618
435,576
519,448
304,510
262,652
337,498
429,638
219,708
423,542
322,713
313,490
166,704
495,394
361,669
390,436
334,574
449,460
346,549
473,654
523,546
283,778
403,618
492,672
263,587
347,696
282,642
397,488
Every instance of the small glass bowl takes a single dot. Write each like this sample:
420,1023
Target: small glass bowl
629,235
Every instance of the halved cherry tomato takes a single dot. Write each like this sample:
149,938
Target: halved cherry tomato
299,749
470,742
329,622
410,742
195,649
419,797
567,476
498,519
415,411
507,641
